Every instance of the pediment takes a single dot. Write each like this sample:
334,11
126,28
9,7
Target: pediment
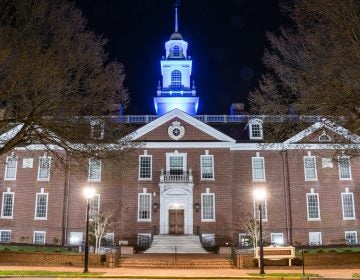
324,132
177,126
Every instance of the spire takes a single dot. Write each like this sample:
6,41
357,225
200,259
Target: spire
176,5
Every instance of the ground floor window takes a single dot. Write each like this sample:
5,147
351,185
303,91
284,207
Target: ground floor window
208,239
351,237
144,240
75,238
277,239
315,238
109,239
39,237
244,240
5,236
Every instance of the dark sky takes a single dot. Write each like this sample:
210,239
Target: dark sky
226,42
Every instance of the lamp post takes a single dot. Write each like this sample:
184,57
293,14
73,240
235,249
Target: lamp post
89,193
259,195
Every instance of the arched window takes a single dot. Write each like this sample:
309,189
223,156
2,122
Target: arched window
176,50
176,78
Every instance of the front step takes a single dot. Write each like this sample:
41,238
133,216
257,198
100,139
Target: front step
176,261
179,244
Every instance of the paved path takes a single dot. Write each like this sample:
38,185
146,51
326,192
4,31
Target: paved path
329,272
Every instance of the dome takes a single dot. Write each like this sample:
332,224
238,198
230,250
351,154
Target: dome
176,36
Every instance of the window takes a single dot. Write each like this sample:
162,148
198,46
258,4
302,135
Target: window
44,168
207,167
10,168
109,239
244,240
144,207
208,239
255,129
5,236
39,237
344,168
315,238
324,137
351,237
313,209
348,209
94,170
176,165
94,206
176,50
258,169
144,240
310,168
277,239
7,205
264,216
207,207
75,238
41,206
145,167
176,78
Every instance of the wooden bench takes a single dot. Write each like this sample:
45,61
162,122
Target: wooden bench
276,253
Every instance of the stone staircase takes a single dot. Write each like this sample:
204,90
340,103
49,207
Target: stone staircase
186,261
179,244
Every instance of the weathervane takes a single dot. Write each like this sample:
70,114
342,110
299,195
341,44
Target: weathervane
176,5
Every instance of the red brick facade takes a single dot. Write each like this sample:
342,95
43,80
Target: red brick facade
232,186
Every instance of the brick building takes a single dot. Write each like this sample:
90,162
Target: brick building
191,174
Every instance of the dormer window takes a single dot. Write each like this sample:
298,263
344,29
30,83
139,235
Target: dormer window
324,137
176,78
255,129
97,129
176,51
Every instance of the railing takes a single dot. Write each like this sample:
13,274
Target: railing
226,118
168,177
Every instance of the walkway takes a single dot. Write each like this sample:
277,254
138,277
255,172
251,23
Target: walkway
329,272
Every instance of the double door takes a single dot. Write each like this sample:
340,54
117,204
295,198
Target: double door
176,221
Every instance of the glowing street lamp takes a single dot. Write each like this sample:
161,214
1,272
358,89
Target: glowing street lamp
259,195
89,193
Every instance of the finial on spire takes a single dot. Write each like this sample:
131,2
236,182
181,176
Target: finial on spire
176,5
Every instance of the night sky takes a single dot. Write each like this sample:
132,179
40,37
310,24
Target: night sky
226,42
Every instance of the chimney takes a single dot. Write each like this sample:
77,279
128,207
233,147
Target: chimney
237,109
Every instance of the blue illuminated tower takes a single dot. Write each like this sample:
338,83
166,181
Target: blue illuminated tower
176,90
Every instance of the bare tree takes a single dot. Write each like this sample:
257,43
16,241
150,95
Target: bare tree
251,227
55,79
313,68
99,223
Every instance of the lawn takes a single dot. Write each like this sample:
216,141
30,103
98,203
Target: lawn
46,273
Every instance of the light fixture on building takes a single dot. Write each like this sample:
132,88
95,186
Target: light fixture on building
155,206
197,207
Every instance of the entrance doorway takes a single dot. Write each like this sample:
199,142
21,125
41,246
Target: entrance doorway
176,221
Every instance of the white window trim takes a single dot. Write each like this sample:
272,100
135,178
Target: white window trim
6,169
139,177
12,206
256,209
177,154
213,169
89,171
353,206
138,207
47,206
39,166
7,230
41,232
313,233
307,207
274,234
252,170
255,122
95,122
305,174
351,232
76,233
202,207
350,175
